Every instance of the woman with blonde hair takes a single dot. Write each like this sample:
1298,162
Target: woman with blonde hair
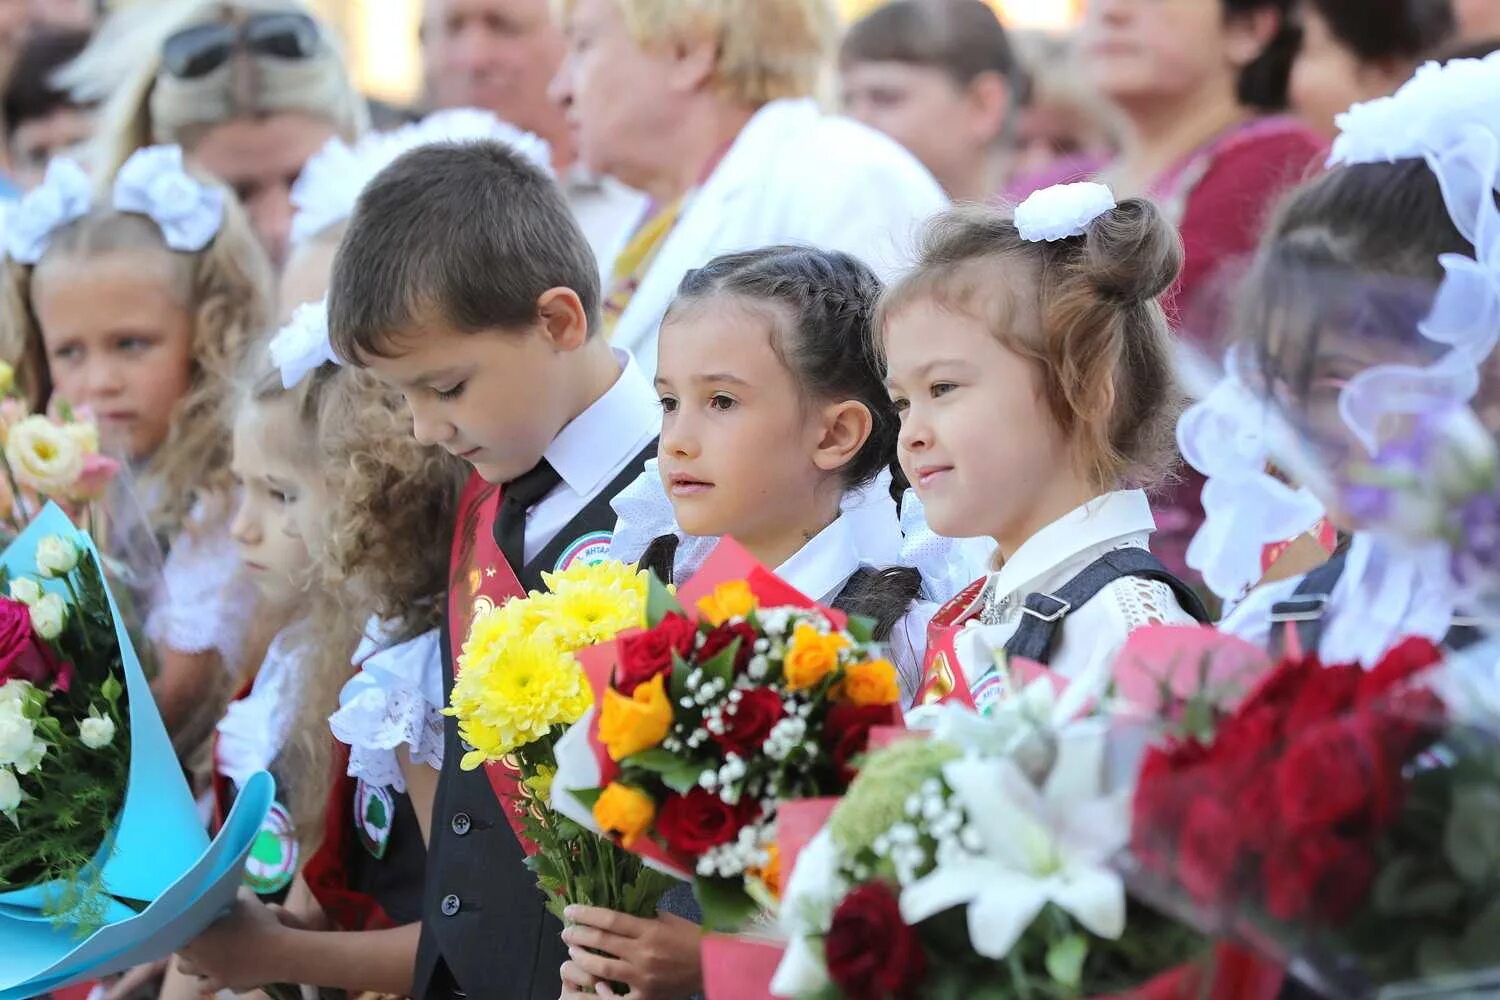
249,88
709,109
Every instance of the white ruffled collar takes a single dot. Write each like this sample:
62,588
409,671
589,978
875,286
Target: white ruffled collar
254,729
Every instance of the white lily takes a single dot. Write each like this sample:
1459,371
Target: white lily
1038,846
812,891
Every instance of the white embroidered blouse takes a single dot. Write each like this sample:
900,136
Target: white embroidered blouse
1093,634
395,700
205,602
254,729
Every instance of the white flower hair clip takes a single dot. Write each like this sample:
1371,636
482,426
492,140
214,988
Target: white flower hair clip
1062,211
302,346
1446,115
65,195
153,183
331,182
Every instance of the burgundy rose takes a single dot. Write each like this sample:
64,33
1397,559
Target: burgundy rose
1318,876
1411,720
1210,851
719,639
750,720
1280,689
870,950
1403,661
1327,693
23,656
1168,782
1257,806
1244,741
847,733
648,653
1334,773
699,820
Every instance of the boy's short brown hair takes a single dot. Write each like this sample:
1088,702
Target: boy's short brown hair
469,234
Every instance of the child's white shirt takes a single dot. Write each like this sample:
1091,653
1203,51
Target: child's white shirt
1093,634
254,729
1385,594
395,700
205,602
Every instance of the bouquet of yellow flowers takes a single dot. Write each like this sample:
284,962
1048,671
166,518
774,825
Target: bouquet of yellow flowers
519,688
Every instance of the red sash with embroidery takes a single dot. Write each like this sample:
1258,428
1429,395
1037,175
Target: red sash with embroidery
942,675
480,579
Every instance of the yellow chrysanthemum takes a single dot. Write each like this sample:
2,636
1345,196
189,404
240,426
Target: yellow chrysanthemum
593,604
513,689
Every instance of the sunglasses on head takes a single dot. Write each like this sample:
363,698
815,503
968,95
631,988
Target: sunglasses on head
198,51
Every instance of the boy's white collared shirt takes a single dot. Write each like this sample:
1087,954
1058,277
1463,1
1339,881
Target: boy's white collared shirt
1092,634
593,449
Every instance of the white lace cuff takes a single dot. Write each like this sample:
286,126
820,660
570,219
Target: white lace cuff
205,602
395,700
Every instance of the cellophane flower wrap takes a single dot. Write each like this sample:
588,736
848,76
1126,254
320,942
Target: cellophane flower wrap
519,687
1344,821
64,739
743,694
979,862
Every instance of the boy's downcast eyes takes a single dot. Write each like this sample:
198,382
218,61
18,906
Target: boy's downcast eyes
453,393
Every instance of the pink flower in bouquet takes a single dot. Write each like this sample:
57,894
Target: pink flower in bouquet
98,472
23,656
12,412
647,654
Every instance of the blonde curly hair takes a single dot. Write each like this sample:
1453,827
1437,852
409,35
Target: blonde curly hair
382,545
228,289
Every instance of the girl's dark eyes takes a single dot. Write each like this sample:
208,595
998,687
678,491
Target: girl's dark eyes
668,404
901,404
453,393
719,401
942,388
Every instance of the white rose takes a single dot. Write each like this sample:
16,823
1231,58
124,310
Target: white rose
17,734
26,590
48,616
44,456
56,556
10,793
97,732
14,692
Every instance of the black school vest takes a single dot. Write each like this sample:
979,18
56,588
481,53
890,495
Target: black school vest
486,933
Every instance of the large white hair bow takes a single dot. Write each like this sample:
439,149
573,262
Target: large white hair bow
302,346
153,183
63,196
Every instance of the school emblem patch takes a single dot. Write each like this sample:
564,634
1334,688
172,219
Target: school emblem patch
590,550
273,854
374,811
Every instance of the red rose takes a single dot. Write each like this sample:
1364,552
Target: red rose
1336,772
1327,693
749,721
847,733
1244,741
1320,876
1411,721
1168,782
23,656
648,653
692,823
1210,851
1403,661
1257,807
870,950
1280,689
719,639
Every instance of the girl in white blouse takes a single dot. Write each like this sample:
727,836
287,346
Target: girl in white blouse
1031,365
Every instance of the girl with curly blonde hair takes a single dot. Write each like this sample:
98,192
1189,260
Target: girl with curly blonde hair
366,513
136,302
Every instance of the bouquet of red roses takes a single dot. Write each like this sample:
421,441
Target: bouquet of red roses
706,720
1345,821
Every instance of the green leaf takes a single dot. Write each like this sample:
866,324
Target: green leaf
1477,947
588,796
862,628
678,682
544,867
725,904
1409,887
1065,958
659,601
721,667
1472,837
111,689
677,774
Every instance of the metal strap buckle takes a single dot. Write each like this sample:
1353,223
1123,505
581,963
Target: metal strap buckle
1059,608
1302,608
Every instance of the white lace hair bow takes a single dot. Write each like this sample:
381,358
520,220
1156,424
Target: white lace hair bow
153,183
331,182
302,346
1449,116
64,195
1062,211
1229,436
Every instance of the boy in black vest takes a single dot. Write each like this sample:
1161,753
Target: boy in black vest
464,282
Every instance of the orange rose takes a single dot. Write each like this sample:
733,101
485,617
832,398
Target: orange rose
729,600
812,656
872,683
624,812
771,873
639,722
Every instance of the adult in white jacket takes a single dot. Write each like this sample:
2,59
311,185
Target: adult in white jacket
708,109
